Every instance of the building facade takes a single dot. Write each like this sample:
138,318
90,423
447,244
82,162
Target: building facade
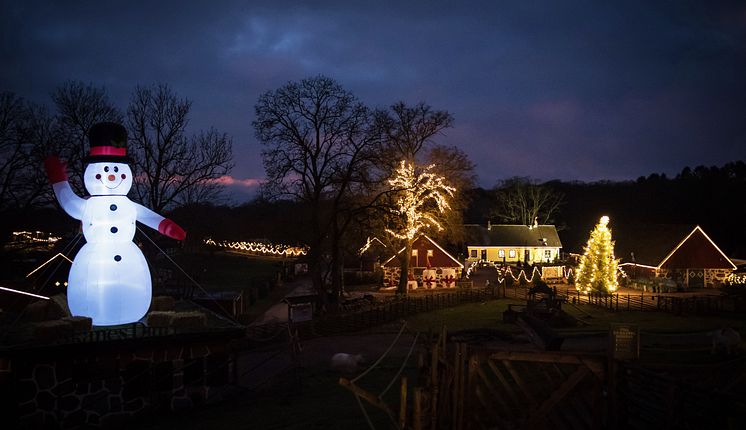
501,243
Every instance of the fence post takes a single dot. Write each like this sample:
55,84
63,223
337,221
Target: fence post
403,403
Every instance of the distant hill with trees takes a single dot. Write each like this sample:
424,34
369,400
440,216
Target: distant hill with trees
712,197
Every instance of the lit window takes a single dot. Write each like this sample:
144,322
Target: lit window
511,253
501,253
429,252
414,253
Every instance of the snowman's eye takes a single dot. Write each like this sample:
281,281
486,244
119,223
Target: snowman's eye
98,176
116,169
106,168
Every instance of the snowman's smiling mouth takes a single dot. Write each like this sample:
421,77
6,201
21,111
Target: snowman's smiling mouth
111,188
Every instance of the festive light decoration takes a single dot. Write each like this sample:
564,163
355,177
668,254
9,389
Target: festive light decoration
109,279
260,248
417,191
37,236
59,254
369,243
11,290
598,269
737,278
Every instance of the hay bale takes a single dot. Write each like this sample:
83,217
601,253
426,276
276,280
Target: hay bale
52,330
60,302
185,321
46,310
160,318
162,303
80,324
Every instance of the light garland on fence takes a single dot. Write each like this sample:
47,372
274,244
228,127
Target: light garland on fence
737,278
504,272
261,248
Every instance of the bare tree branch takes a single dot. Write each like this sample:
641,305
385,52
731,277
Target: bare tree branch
172,168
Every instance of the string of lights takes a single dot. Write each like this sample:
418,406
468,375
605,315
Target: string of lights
261,248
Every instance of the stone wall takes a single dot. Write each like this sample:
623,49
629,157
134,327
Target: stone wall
108,385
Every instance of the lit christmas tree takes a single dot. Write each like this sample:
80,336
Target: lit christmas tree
597,271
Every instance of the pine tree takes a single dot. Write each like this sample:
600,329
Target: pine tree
597,270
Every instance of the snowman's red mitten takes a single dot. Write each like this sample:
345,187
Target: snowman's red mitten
56,169
171,229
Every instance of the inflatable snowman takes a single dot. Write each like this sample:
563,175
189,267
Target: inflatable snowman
109,280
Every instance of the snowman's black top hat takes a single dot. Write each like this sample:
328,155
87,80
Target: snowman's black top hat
108,143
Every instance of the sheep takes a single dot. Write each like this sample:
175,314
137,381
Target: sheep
725,339
346,363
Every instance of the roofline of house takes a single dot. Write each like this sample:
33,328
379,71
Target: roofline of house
638,265
687,238
512,246
431,241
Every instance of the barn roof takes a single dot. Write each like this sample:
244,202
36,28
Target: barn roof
441,259
659,244
513,235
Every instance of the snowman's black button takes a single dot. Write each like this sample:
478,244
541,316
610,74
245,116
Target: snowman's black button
113,207
114,229
117,258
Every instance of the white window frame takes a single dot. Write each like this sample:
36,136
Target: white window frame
501,253
511,253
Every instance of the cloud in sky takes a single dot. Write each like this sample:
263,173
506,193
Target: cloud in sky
231,181
571,90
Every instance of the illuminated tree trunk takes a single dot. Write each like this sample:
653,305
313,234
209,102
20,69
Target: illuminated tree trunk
404,267
597,269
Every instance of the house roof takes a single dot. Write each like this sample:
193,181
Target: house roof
441,258
657,245
513,235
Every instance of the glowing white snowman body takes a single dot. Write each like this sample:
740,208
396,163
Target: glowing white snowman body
109,280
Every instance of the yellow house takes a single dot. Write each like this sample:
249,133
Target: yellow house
502,243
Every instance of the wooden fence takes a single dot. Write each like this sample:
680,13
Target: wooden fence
394,310
463,386
695,305
374,314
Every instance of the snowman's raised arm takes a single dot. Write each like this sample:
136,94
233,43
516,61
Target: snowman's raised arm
57,174
164,225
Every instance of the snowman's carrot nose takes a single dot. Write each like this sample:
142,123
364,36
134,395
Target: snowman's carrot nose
111,177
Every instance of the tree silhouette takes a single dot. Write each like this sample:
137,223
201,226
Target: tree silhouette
318,150
173,168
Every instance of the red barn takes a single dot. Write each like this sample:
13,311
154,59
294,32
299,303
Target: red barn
429,263
684,254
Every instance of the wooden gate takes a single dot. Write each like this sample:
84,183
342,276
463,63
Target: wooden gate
486,388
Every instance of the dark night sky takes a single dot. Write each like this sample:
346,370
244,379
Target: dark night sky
585,90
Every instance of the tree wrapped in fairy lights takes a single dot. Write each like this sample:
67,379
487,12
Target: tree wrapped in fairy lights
422,197
597,270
